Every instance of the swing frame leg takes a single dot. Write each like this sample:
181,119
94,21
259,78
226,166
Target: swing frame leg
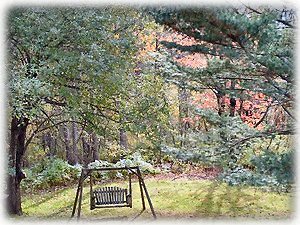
78,198
142,195
143,186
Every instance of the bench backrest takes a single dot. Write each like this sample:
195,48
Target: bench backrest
110,195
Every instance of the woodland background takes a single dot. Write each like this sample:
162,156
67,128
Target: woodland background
206,94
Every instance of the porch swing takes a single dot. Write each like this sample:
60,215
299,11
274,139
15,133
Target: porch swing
110,197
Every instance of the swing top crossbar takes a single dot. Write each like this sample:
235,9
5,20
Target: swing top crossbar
110,168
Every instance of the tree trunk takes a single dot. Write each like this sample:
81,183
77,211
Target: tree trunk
232,106
220,100
67,140
74,143
52,146
232,101
183,97
123,139
87,156
122,132
95,147
49,141
16,152
44,142
240,110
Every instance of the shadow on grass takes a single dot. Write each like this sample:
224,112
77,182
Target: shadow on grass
46,198
87,214
138,215
221,200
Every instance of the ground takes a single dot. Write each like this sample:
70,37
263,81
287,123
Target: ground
177,197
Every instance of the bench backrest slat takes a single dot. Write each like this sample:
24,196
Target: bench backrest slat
110,195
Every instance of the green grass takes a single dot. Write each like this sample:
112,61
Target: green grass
172,199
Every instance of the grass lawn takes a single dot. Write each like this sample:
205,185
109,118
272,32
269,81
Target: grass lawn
180,198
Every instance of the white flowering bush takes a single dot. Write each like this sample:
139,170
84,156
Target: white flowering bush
135,159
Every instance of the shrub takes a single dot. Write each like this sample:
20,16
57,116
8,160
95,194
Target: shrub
271,170
50,172
277,165
135,160
113,153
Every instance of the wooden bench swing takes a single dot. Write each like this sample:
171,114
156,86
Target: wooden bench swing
110,197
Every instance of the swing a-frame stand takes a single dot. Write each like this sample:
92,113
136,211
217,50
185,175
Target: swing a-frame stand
110,197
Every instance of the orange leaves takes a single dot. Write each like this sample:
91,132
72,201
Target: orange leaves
252,110
193,60
205,100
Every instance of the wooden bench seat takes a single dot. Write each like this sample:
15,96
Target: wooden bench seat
107,197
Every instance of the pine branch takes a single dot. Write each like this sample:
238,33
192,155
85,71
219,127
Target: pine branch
54,102
263,135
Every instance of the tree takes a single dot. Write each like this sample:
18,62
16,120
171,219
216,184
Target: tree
249,53
248,49
71,59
